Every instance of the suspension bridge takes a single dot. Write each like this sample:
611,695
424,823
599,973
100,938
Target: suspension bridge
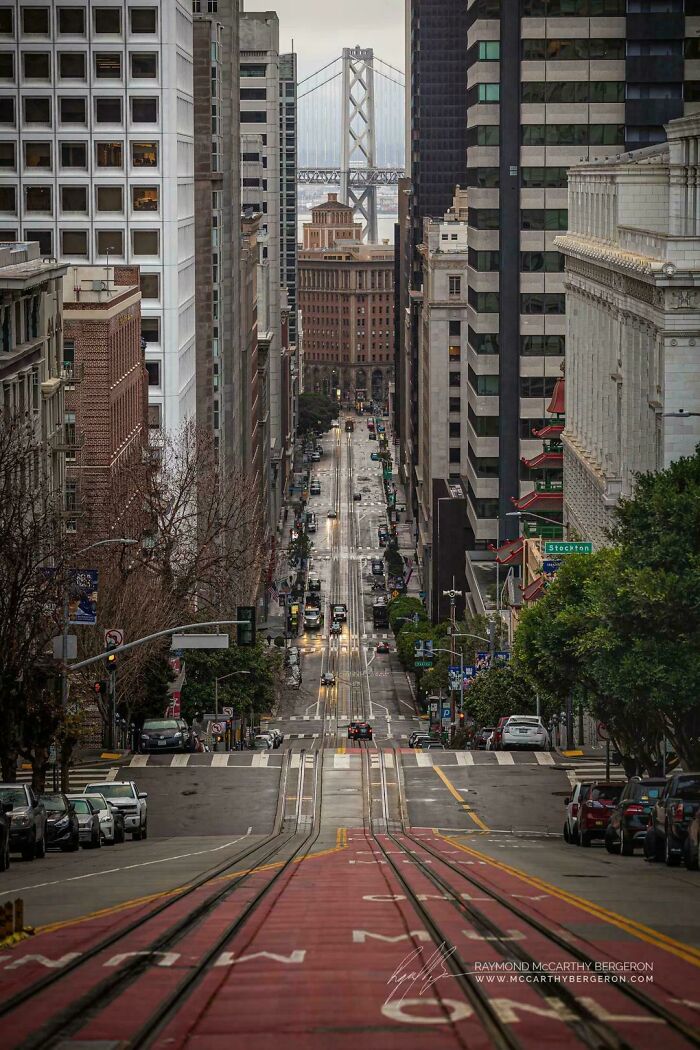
350,117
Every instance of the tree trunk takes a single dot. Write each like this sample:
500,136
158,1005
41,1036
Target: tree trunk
8,763
40,761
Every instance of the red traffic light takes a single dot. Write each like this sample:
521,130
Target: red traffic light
100,687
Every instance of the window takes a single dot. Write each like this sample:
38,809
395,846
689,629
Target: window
144,65
37,155
484,218
453,352
150,329
7,65
71,65
144,154
144,198
7,110
36,110
8,199
489,93
6,21
37,198
544,219
253,69
455,329
110,242
543,178
143,20
483,302
7,156
454,455
484,426
483,342
108,65
108,110
255,116
71,21
542,345
8,235
485,261
107,21
72,111
255,94
74,242
537,386
144,110
145,242
74,198
35,21
489,50
455,404
487,135
454,286
154,414
484,178
541,262
109,154
542,303
150,285
484,466
572,50
44,239
486,386
73,155
110,198
153,369
37,65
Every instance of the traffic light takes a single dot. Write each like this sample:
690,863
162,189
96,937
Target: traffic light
461,719
112,660
245,632
100,688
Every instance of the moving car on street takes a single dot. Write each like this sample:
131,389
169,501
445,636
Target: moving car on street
163,734
27,820
339,612
670,818
315,489
629,820
88,821
62,828
124,795
377,567
328,678
383,648
336,627
359,731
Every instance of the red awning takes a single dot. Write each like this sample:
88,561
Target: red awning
544,459
534,590
552,430
556,405
509,551
552,500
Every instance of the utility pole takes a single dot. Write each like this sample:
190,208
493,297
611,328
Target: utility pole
453,594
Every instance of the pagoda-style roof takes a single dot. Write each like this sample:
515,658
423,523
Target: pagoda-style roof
543,459
553,429
534,590
556,405
550,500
508,551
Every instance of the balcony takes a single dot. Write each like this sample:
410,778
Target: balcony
66,438
533,529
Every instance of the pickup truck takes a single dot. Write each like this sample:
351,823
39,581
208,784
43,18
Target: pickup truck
670,818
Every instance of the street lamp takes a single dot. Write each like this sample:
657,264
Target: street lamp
216,687
531,514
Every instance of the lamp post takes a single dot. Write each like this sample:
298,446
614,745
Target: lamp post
531,514
223,678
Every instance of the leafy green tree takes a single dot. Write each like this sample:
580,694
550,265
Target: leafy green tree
500,691
255,675
316,412
403,609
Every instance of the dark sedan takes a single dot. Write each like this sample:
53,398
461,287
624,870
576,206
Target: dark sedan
4,836
629,820
164,734
62,829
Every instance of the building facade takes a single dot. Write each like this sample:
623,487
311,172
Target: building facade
633,323
346,299
260,192
288,189
106,399
32,370
97,158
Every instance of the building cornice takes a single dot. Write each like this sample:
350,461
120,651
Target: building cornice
589,250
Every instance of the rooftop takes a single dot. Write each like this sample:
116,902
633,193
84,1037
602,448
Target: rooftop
21,264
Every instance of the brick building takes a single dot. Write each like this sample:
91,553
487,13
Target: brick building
106,404
346,298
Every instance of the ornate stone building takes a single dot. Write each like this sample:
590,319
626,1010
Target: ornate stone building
346,297
633,322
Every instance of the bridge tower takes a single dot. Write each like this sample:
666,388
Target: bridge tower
357,146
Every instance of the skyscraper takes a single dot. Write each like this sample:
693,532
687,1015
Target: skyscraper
97,160
288,186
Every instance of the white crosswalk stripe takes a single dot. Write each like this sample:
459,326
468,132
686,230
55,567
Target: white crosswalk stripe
79,777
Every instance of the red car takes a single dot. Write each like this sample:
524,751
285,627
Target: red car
494,743
359,731
383,647
596,809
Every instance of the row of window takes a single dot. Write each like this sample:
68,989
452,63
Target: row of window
587,8
72,65
70,21
530,218
73,110
487,426
74,155
530,386
144,243
530,345
74,199
530,302
530,262
538,177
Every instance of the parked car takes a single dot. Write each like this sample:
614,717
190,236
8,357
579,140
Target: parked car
27,820
433,745
62,829
357,496
629,820
4,836
328,678
262,743
423,740
277,737
524,731
105,816
481,737
314,583
377,567
163,734
692,844
315,457
315,489
494,741
573,807
88,821
594,814
374,456
670,818
123,795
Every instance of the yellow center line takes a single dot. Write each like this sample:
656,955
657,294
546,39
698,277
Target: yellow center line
465,805
636,929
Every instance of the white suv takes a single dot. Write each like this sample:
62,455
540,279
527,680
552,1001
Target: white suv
123,795
524,731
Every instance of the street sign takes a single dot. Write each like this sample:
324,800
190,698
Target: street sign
501,656
469,672
394,594
564,547
418,645
602,731
483,661
199,641
114,636
454,677
422,662
228,711
71,652
429,646
416,617
549,567
216,727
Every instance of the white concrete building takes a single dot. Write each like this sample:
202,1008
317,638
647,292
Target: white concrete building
633,322
97,158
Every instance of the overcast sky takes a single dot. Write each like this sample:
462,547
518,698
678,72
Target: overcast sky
322,28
